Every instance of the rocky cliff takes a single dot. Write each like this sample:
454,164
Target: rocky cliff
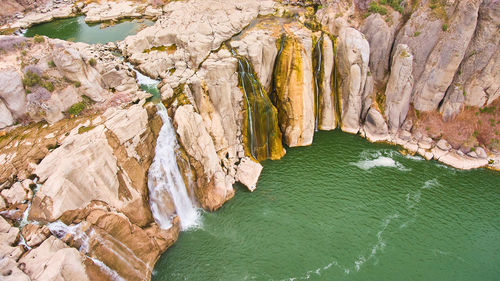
240,80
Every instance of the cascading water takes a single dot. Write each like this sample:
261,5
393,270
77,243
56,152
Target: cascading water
263,137
165,180
318,79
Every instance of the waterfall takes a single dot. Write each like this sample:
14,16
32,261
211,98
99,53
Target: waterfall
262,136
165,180
318,79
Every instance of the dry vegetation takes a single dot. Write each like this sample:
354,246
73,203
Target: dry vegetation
471,128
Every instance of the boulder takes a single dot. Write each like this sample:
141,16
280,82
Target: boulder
71,65
10,272
294,87
35,234
399,87
17,193
353,53
12,93
443,145
6,118
375,127
54,260
248,173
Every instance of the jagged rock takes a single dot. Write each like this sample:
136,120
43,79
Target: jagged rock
6,118
476,82
53,260
10,272
375,127
212,187
12,92
327,120
444,59
35,234
353,53
399,87
17,193
3,205
381,37
248,173
69,62
294,87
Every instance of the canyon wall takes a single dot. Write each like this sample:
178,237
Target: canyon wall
241,82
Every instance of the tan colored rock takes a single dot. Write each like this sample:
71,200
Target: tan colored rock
6,118
8,233
259,46
399,87
82,169
17,193
353,53
69,62
195,27
294,87
248,173
327,119
12,92
374,127
54,260
219,101
10,272
35,234
212,187
443,145
112,241
109,10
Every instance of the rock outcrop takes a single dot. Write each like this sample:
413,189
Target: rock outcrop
399,87
294,87
353,53
213,187
476,81
444,59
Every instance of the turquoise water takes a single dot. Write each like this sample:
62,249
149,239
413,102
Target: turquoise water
76,30
346,209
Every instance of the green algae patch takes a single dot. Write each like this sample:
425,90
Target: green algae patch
261,133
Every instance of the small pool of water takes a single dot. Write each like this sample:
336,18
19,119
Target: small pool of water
77,30
346,209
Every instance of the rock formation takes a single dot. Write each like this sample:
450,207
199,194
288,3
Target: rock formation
238,80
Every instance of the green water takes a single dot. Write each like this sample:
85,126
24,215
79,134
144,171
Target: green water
345,209
76,30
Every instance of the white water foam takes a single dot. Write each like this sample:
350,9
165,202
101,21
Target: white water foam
111,273
141,78
383,158
165,180
431,184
